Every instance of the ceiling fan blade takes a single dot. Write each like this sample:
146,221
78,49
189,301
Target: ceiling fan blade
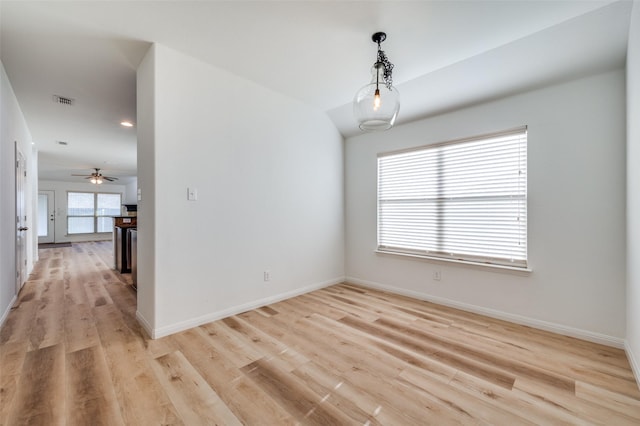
109,178
79,175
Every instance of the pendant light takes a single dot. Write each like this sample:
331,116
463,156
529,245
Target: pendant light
376,105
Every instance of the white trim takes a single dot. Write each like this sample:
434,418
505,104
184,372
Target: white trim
590,336
6,313
525,270
145,324
635,366
157,333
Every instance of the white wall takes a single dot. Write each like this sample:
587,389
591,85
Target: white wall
61,189
269,176
633,191
13,128
131,192
146,249
576,211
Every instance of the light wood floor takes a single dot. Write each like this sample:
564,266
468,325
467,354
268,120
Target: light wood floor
71,352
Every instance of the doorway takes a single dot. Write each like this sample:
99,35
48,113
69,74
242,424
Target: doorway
46,217
21,220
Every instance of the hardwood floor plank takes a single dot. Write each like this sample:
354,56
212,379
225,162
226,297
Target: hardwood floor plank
265,344
291,393
193,398
330,353
248,403
238,351
459,402
345,305
8,389
146,401
486,371
622,386
40,395
131,371
615,401
19,322
48,328
519,404
580,411
370,366
507,364
324,382
81,331
90,395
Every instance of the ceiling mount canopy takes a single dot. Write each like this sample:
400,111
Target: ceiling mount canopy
376,105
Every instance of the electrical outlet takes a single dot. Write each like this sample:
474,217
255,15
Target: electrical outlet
267,276
436,275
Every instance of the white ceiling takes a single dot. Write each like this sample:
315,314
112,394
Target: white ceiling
447,54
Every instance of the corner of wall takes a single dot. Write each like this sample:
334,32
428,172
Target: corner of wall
635,364
632,342
157,333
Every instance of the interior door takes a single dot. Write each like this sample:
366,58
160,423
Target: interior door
21,221
46,217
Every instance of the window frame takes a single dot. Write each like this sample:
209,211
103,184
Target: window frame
485,259
95,215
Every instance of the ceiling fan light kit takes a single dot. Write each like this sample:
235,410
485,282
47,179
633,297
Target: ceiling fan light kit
97,178
376,105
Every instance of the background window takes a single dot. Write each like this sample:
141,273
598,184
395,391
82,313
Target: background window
107,206
463,200
89,212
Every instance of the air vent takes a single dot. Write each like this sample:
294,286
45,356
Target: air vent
62,100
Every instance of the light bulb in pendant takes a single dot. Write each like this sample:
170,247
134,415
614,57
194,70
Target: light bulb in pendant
376,100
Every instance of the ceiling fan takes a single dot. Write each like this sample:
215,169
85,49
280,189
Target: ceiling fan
97,178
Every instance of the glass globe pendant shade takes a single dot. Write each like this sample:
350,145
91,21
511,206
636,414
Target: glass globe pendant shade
375,106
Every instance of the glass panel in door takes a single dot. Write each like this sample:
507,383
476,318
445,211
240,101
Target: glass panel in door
46,217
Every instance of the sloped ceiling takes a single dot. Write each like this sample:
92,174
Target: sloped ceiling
447,54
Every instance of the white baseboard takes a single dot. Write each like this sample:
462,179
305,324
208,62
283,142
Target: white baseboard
5,314
145,324
517,319
157,333
635,365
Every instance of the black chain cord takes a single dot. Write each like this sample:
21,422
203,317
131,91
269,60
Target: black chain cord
387,66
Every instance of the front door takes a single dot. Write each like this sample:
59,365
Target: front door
46,217
21,221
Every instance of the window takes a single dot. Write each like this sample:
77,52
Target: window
461,200
89,212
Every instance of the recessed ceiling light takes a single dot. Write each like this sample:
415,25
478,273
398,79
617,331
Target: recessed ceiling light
126,123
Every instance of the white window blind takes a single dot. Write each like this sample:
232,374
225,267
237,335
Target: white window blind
463,200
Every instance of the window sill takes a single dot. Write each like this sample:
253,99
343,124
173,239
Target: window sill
487,266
